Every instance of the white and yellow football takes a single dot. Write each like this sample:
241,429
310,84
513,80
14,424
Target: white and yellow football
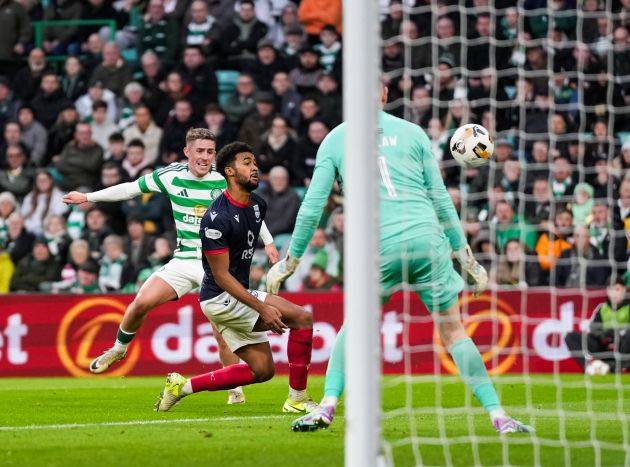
471,145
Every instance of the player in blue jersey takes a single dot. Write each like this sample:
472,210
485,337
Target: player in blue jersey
229,231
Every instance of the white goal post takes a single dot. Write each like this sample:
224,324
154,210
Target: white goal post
361,70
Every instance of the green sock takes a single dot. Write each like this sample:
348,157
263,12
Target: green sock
473,372
124,338
335,379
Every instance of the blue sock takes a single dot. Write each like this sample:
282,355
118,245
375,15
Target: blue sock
335,378
473,372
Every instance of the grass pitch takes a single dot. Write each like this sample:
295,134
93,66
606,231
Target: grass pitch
110,421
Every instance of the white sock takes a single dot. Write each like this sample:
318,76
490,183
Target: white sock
187,388
297,394
119,346
496,413
329,401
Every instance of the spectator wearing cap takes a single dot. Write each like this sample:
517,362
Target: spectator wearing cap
305,156
49,101
73,82
329,99
315,14
282,200
44,199
258,121
304,78
39,266
241,37
113,72
266,65
34,135
216,121
17,178
158,32
147,131
26,81
80,161
138,244
329,47
15,32
87,279
61,132
277,147
9,104
242,102
101,126
175,129
59,40
202,30
287,99
97,92
201,79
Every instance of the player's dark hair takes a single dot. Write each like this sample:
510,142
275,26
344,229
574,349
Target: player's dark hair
227,155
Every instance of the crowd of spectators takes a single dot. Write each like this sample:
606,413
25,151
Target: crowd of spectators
89,106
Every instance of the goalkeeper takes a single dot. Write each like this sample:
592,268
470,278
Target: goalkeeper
418,227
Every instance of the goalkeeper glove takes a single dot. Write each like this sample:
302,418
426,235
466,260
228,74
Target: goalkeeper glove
473,269
279,272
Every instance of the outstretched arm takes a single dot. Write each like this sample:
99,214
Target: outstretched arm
122,191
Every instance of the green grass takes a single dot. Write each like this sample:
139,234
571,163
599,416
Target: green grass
203,430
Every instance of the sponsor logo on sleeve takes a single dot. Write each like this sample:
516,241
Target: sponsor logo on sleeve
213,234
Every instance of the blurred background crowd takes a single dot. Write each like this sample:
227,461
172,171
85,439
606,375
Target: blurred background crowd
108,95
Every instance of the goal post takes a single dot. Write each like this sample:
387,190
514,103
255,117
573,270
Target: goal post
361,71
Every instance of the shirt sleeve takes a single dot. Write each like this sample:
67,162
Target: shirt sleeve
326,170
214,234
152,182
442,202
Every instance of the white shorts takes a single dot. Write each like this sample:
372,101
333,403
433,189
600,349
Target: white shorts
235,320
183,275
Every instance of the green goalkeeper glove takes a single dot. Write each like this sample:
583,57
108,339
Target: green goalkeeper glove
279,272
473,269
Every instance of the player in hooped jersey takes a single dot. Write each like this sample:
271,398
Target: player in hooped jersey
229,231
191,188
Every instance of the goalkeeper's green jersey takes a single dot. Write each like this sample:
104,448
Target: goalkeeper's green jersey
414,203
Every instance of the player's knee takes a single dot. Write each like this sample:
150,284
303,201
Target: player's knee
264,373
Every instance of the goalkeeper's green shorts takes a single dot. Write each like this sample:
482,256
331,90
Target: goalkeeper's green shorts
423,265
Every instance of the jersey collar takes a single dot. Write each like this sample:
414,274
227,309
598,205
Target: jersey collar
232,201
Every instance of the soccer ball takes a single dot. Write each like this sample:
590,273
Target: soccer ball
597,367
471,145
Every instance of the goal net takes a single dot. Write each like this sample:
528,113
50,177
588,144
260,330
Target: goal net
547,217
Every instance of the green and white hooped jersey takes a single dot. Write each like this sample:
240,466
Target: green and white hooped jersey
190,197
